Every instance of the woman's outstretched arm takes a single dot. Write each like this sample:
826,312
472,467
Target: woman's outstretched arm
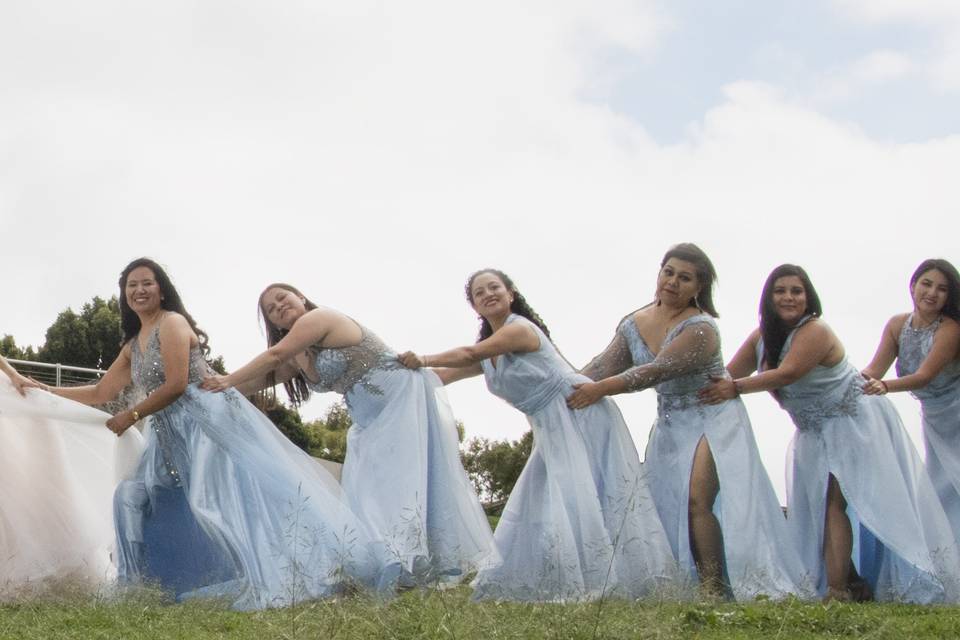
309,329
693,348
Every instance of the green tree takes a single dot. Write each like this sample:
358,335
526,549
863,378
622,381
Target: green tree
331,433
495,465
88,339
9,349
290,424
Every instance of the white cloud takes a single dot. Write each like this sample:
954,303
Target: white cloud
875,68
941,60
376,154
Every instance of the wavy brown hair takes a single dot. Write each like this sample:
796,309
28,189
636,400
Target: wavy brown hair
951,308
297,389
773,330
169,300
706,274
519,306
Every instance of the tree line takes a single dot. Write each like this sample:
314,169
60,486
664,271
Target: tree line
91,339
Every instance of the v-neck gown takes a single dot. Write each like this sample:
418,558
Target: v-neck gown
580,522
263,523
760,555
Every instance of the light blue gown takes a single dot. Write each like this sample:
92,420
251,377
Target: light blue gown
580,523
940,410
760,556
903,544
402,473
238,509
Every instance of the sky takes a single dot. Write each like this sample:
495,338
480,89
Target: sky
374,154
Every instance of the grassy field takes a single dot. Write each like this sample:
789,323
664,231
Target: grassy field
449,614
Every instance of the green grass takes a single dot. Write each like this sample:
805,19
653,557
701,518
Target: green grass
449,614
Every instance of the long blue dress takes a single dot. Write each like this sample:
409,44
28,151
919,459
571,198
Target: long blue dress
220,493
580,523
760,556
940,410
402,473
903,544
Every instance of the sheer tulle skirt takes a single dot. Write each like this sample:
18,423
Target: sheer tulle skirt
403,477
58,468
580,523
271,524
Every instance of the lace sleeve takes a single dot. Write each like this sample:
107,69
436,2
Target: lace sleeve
694,348
614,359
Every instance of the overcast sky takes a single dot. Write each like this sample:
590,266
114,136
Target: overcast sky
374,154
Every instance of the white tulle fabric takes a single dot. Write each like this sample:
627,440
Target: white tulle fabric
59,465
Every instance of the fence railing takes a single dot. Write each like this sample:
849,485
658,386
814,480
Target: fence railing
59,375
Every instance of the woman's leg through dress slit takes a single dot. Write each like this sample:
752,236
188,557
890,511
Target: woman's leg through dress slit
706,537
843,581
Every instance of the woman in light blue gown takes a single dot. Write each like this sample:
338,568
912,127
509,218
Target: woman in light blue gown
860,502
219,492
716,501
580,523
926,346
402,473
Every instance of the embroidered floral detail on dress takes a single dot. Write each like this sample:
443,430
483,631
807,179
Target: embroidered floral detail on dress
811,415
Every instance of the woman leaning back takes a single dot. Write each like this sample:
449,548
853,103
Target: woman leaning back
580,522
718,506
926,346
855,481
272,526
402,472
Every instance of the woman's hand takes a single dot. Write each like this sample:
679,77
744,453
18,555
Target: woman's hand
121,422
216,383
21,384
719,390
874,387
411,360
584,395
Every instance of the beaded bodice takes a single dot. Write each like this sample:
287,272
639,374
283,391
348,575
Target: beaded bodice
339,369
529,381
146,367
913,349
824,392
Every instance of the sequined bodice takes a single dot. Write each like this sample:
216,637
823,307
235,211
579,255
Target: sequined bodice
682,389
339,369
529,381
823,393
914,347
146,368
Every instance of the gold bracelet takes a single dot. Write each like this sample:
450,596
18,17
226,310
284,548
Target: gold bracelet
136,415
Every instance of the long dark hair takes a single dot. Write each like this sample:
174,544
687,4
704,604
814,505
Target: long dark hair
519,306
297,389
951,308
169,300
706,274
774,330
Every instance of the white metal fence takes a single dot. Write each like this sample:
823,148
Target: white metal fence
59,375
